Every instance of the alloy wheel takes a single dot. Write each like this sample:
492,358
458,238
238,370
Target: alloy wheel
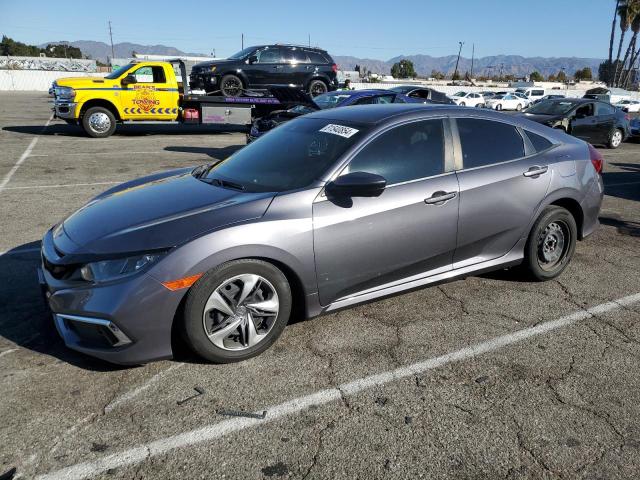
231,87
616,138
240,312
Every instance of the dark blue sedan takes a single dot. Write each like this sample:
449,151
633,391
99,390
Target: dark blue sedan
305,104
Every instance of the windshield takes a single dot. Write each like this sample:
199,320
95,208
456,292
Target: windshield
116,73
331,99
289,157
551,107
459,94
242,53
521,90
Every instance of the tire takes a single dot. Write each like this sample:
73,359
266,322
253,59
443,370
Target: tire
555,228
317,87
462,104
518,107
226,283
231,86
499,107
99,122
615,138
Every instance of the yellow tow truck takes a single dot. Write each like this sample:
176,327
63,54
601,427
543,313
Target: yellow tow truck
149,91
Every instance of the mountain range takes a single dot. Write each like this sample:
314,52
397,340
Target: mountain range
423,64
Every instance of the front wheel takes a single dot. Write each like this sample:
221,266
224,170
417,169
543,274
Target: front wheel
519,107
462,104
499,107
231,86
237,310
317,87
615,138
551,243
98,122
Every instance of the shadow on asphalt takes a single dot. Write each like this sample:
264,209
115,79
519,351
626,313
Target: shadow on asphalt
64,130
624,227
24,318
625,184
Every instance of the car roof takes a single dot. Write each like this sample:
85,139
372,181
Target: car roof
373,114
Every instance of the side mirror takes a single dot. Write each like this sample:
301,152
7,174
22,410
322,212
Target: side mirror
128,80
252,59
357,184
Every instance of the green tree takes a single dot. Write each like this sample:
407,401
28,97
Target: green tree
437,75
561,76
583,74
455,76
62,51
8,46
403,69
536,76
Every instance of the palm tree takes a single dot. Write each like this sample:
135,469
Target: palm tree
613,36
633,17
623,13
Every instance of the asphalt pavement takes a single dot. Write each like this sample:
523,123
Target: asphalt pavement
485,377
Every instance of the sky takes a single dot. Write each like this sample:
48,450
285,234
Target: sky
365,29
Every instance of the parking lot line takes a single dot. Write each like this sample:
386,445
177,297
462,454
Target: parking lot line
140,453
23,157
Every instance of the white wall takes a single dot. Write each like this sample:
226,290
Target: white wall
35,80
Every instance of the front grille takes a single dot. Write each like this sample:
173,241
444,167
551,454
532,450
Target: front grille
59,272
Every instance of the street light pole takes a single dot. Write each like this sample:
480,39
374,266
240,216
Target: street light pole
111,37
455,71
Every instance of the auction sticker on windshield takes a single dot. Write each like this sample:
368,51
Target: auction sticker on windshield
341,130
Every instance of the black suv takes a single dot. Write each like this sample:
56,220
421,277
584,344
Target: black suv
310,69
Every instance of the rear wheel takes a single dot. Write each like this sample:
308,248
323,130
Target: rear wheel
231,86
551,243
317,87
98,122
499,106
615,138
463,104
237,310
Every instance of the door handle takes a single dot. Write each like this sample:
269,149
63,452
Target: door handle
536,171
440,198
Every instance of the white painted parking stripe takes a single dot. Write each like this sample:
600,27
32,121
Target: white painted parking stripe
62,185
23,157
137,391
7,352
140,453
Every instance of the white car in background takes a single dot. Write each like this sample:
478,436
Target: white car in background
527,100
468,99
631,106
506,101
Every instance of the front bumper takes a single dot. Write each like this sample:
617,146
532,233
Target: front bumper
65,110
127,322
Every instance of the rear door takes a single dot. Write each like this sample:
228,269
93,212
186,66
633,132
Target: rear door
364,244
154,96
605,116
269,69
296,66
498,192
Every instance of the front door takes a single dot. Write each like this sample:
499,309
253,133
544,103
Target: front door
364,244
154,96
499,192
583,123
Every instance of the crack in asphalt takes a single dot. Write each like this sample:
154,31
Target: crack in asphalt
319,447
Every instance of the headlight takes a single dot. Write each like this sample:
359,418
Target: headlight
107,270
65,92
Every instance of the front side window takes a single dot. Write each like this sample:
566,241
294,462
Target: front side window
148,74
408,152
270,55
584,111
486,142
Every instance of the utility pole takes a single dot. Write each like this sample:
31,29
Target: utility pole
242,41
473,51
501,69
455,71
309,39
111,37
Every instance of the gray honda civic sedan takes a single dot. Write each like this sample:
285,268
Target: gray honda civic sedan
329,210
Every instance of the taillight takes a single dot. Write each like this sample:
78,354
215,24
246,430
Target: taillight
334,67
627,117
596,158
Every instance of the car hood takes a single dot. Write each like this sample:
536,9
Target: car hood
540,118
217,63
85,82
156,212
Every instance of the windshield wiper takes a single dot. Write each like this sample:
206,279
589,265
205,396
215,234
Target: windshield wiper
224,183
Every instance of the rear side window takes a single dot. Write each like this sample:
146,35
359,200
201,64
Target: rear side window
295,55
404,153
538,141
485,142
317,57
604,109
